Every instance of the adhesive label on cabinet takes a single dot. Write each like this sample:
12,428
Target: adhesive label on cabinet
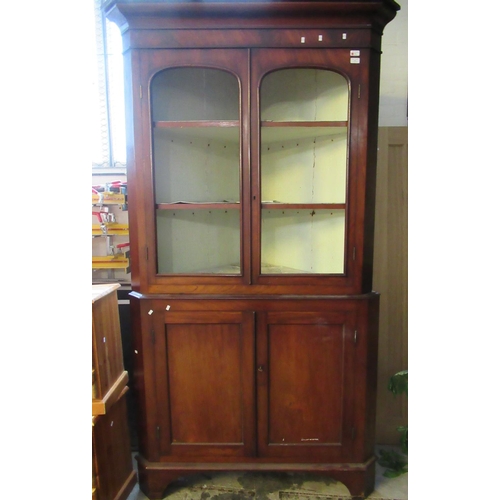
355,52
355,60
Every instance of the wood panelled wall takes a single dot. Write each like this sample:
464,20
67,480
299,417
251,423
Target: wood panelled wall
390,276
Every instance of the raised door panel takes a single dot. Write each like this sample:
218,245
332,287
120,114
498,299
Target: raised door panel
204,375
305,368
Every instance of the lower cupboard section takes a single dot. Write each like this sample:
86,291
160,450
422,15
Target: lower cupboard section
256,384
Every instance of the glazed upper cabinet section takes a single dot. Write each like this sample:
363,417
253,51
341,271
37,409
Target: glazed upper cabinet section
196,146
304,123
251,174
305,118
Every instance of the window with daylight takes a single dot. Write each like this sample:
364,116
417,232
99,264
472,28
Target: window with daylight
108,124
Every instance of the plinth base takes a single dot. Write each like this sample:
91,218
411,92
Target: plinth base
155,477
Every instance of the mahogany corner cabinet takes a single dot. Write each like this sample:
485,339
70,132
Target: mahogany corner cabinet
252,142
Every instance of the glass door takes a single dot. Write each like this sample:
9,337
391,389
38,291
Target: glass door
304,123
195,115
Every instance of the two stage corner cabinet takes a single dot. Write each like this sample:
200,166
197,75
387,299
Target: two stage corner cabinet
252,142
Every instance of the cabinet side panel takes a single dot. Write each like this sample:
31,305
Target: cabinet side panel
371,108
137,384
372,328
134,135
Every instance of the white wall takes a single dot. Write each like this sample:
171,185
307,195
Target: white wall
394,71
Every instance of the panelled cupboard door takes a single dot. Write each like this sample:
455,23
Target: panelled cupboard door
305,371
204,371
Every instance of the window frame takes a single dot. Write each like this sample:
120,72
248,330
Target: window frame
109,148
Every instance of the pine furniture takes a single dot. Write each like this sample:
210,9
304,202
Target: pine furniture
109,377
113,475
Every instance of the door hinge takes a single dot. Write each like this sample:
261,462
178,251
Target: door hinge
153,337
359,91
147,253
355,336
354,253
158,432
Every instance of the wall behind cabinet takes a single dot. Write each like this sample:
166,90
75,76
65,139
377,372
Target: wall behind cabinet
393,109
390,265
390,276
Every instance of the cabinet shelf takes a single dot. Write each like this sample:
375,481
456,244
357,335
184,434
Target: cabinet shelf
297,131
236,205
224,132
303,206
308,123
181,205
196,123
234,269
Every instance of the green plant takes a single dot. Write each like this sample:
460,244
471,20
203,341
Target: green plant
395,463
398,384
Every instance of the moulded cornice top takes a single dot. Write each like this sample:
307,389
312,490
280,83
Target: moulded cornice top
167,14
106,3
